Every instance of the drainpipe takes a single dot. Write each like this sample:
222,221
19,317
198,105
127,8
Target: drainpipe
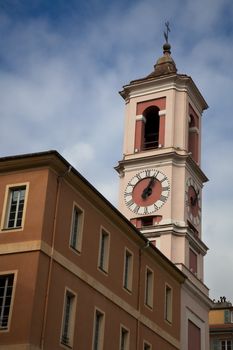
58,191
139,291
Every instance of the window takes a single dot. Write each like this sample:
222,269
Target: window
146,346
149,284
104,250
193,135
147,221
68,318
168,304
124,339
227,315
128,270
98,338
151,132
226,345
6,289
76,229
15,207
194,336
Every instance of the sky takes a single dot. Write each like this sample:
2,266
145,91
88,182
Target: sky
62,64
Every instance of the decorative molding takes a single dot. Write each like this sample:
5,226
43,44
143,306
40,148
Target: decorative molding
140,117
194,129
19,347
20,247
162,112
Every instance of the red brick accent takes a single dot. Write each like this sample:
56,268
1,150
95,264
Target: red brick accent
159,102
139,134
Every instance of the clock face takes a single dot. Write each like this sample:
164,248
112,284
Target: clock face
147,191
193,201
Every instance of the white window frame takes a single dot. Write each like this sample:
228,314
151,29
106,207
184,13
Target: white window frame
8,273
76,231
149,287
104,248
128,270
7,206
124,340
224,342
146,345
98,330
168,304
68,321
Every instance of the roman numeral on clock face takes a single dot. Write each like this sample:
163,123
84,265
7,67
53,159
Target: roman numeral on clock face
163,198
136,209
145,211
130,202
156,207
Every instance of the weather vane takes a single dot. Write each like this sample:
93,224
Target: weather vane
166,31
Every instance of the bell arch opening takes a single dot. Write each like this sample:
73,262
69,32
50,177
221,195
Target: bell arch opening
151,129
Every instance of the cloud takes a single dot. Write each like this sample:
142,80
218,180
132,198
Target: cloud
59,82
79,154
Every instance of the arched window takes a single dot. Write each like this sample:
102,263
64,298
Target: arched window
151,130
191,121
193,139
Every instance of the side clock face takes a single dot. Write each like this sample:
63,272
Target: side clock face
193,201
147,191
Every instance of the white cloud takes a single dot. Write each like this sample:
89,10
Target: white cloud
59,90
79,154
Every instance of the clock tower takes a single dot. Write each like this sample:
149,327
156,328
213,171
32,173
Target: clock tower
161,179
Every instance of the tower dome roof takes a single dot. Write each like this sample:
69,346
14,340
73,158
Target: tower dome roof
165,64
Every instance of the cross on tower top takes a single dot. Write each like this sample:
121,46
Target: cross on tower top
167,30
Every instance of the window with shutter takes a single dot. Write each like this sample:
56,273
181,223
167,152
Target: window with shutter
227,316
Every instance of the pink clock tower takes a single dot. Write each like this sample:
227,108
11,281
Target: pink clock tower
161,180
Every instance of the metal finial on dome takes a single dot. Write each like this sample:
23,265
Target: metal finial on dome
167,31
165,64
166,46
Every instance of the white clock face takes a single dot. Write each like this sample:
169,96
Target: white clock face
147,192
193,201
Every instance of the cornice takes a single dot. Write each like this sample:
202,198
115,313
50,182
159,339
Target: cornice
179,82
165,155
202,297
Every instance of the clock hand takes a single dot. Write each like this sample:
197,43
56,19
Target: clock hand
148,189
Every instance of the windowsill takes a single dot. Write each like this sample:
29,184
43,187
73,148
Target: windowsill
66,345
168,322
105,272
150,307
75,250
127,290
4,330
7,229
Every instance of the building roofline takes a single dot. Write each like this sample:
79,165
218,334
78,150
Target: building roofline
45,158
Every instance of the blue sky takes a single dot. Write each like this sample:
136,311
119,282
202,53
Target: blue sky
62,64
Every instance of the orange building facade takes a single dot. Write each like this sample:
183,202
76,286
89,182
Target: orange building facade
74,273
221,325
